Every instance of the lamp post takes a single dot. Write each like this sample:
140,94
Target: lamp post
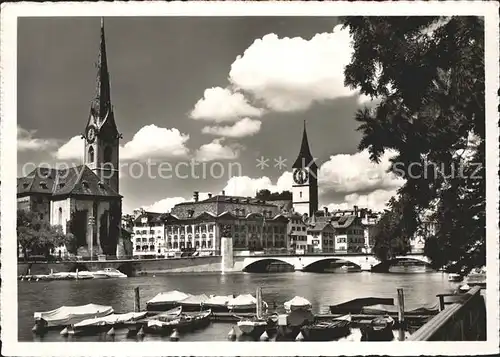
91,225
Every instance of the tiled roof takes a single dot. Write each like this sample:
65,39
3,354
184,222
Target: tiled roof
320,226
343,221
151,216
77,180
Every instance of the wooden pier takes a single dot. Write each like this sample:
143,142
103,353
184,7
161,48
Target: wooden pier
462,319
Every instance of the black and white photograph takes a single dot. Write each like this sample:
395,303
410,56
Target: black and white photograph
249,175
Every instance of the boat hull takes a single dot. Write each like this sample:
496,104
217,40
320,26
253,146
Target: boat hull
181,325
317,333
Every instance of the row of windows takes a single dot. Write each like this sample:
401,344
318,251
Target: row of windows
175,245
189,229
298,229
182,237
351,240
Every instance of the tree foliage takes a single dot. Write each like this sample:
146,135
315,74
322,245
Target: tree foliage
267,195
427,75
36,236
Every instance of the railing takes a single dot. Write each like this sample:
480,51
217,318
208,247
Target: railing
464,320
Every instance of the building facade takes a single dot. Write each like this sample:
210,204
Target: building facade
197,227
84,199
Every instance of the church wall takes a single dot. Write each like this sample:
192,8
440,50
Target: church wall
101,208
60,212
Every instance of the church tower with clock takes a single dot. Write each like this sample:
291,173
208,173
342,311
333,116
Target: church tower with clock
305,180
101,133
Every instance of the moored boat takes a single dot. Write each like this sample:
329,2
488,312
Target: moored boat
184,323
218,303
193,303
379,329
69,315
100,324
297,303
108,273
356,305
327,330
455,277
166,301
244,303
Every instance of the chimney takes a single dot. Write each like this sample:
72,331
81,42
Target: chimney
326,211
356,211
209,195
223,193
196,195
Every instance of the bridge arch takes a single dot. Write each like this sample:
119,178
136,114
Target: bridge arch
388,263
262,265
320,264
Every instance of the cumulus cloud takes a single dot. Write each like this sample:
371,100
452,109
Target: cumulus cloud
217,151
150,141
153,141
356,173
222,105
376,200
242,128
248,186
72,149
26,141
289,74
164,205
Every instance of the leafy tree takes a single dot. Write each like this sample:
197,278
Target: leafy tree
37,236
427,75
266,195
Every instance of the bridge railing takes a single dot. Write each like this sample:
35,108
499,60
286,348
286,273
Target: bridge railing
464,320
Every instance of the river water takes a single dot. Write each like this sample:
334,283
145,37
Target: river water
321,290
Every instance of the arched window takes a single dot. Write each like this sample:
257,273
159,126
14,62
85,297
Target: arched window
108,151
91,154
59,217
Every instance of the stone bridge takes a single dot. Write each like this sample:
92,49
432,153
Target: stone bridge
307,262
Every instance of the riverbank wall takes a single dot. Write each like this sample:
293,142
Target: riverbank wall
130,267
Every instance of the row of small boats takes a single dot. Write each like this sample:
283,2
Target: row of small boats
106,273
175,312
244,303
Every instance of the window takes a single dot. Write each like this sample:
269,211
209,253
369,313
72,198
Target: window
203,244
300,194
137,247
91,154
209,244
59,216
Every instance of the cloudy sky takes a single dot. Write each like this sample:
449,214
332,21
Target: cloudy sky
198,101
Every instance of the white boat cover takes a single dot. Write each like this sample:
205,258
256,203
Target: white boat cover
297,303
244,300
169,296
67,315
195,300
112,319
221,300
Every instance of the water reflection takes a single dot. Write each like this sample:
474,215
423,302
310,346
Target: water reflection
321,290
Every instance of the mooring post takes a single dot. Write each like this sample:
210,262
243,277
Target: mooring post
137,302
76,273
401,314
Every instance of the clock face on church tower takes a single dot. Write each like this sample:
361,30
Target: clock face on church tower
90,134
300,176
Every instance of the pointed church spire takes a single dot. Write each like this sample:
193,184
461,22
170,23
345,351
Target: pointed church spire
101,105
305,157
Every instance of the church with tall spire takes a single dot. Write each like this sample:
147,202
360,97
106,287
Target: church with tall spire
84,199
305,180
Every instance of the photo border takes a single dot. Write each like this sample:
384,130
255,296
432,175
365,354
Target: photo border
8,129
